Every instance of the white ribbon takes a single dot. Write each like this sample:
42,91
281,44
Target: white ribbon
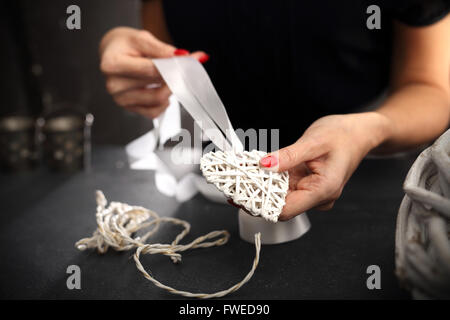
192,87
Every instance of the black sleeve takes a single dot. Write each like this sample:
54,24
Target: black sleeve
420,12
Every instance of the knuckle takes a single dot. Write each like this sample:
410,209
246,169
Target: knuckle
118,101
111,85
123,100
165,104
143,36
328,191
289,155
109,63
161,97
338,193
327,206
153,113
104,66
333,192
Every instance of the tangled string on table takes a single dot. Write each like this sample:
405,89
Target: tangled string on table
118,222
239,177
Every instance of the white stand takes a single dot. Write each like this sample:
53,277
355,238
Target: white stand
272,233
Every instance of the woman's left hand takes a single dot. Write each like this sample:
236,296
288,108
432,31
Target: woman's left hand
323,159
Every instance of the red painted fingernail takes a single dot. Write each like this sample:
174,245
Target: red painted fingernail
203,58
269,161
181,52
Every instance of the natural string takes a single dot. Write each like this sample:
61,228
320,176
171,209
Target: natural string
117,223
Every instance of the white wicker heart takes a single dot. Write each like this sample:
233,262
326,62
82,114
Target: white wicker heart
240,178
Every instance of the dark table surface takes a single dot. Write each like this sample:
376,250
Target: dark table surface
43,214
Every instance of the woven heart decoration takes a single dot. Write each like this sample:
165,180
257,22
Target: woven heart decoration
240,178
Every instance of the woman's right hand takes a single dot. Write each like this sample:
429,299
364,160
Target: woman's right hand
131,77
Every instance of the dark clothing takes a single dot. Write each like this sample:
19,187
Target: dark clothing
285,63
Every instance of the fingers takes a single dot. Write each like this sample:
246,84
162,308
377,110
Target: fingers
298,202
117,84
131,76
289,213
150,112
113,64
201,56
150,46
129,66
142,100
292,156
313,191
127,52
325,207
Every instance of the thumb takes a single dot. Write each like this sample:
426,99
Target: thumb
290,156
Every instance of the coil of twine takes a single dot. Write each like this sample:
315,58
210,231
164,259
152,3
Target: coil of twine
118,222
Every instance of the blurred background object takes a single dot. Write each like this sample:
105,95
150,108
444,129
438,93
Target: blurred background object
46,66
67,140
18,143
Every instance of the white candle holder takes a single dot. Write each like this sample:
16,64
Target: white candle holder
272,233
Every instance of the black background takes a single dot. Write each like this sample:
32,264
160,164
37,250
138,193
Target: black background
46,67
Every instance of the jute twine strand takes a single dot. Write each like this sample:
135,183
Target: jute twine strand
118,222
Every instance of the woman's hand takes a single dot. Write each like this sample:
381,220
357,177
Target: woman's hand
131,76
324,158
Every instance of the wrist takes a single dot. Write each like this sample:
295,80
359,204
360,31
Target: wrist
374,129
